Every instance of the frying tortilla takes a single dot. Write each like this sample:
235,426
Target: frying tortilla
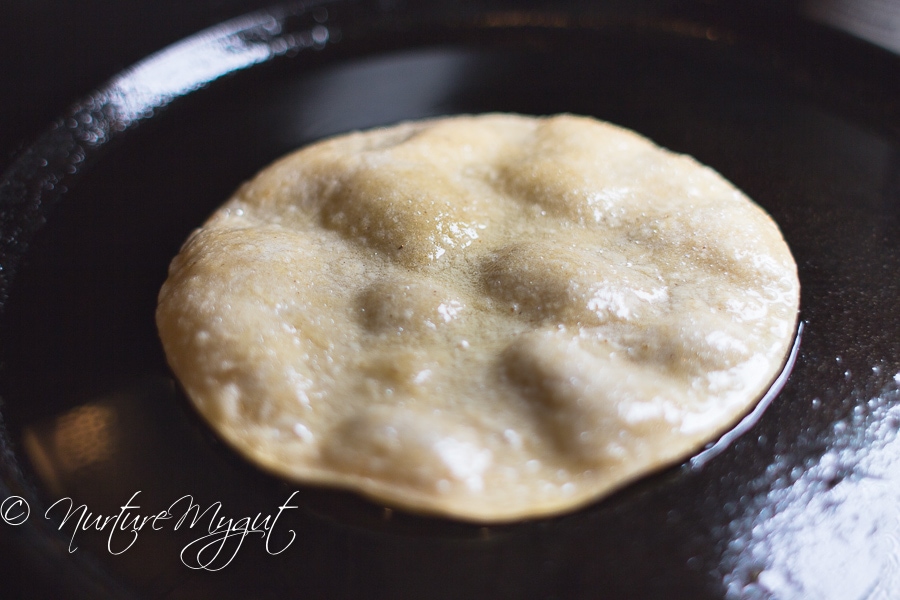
489,317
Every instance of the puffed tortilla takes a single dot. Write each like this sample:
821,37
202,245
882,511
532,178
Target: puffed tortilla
488,317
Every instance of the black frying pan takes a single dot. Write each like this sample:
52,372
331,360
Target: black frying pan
805,120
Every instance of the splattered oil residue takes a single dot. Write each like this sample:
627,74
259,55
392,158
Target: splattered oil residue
830,530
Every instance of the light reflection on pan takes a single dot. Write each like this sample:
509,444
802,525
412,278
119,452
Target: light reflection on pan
831,530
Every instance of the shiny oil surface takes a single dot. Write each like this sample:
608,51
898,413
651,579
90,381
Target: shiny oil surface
804,504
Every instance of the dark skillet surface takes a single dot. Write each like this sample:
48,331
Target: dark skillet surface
804,504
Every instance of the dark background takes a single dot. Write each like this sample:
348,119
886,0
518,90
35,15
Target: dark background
53,52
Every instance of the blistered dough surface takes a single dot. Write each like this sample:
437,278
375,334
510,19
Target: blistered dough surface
489,317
